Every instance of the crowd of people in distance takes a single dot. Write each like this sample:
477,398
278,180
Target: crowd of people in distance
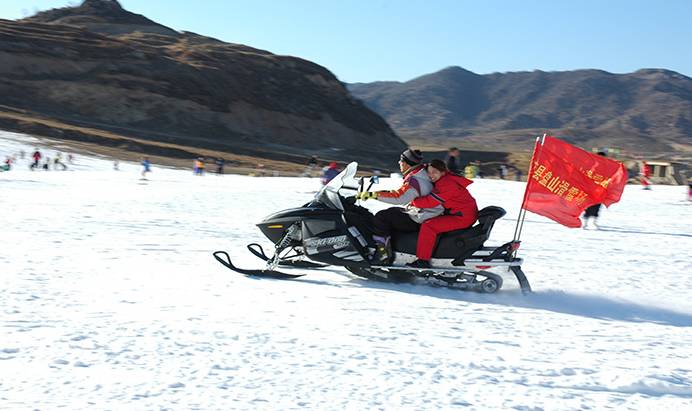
452,162
473,169
327,173
37,161
199,166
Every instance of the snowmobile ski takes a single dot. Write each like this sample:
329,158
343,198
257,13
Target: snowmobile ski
258,251
226,261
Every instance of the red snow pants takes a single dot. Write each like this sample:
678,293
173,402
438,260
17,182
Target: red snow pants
427,237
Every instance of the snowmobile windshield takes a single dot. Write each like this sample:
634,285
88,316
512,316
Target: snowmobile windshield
344,182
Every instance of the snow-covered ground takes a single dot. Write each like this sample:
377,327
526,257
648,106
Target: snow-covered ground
110,299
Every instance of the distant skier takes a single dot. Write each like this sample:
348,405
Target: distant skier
146,167
592,211
518,174
453,160
479,171
57,161
310,166
7,165
469,172
329,172
116,165
219,165
689,190
37,158
199,166
645,174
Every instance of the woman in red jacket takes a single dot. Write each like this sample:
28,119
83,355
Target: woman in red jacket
460,207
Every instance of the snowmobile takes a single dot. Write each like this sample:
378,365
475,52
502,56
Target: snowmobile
333,230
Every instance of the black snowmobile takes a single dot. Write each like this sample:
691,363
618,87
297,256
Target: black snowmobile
333,230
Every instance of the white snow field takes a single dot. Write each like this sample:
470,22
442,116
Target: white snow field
110,299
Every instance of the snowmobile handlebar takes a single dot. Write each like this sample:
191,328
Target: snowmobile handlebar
373,180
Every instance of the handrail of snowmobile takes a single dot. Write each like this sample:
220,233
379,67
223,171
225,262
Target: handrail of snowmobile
505,251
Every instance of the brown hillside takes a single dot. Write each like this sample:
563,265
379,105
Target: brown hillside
100,67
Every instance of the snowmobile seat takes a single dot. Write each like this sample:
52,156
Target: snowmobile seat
457,244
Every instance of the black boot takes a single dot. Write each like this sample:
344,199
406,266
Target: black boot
383,251
381,256
419,264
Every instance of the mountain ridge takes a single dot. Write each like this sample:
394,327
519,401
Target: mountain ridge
649,110
105,16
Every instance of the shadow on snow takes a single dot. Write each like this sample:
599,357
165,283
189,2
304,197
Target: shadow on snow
557,301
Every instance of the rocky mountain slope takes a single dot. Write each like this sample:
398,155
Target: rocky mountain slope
99,73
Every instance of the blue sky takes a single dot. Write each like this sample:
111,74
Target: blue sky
363,41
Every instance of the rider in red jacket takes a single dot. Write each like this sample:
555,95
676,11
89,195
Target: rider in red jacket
460,207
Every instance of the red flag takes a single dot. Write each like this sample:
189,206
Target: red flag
564,180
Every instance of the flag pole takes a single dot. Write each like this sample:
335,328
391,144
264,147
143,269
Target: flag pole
522,211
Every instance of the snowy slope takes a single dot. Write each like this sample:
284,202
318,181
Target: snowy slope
110,299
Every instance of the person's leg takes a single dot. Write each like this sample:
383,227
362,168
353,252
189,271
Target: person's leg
588,213
591,212
363,221
597,208
393,219
402,221
384,222
427,237
430,230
